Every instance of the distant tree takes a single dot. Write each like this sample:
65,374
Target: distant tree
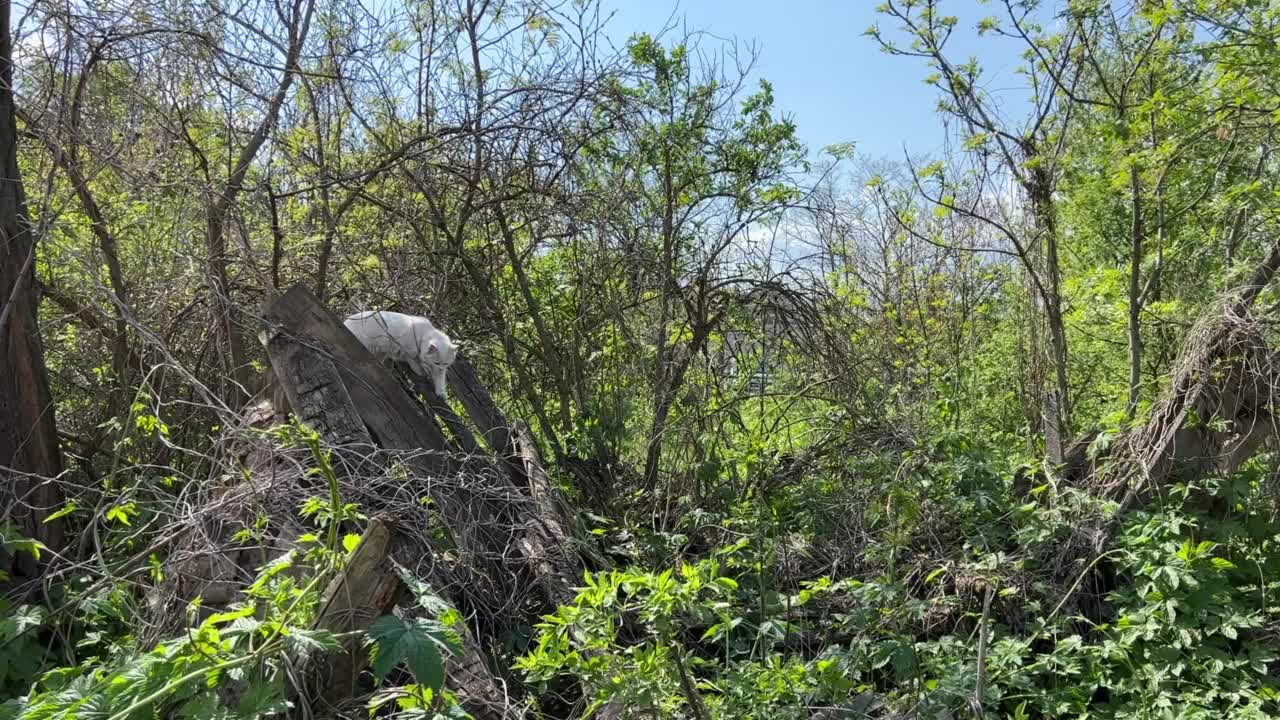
699,164
1027,150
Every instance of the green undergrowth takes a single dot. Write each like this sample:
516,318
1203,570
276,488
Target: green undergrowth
88,661
1189,627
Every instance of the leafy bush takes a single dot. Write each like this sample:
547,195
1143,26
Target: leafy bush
233,665
712,639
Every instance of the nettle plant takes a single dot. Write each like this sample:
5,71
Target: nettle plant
1189,637
692,642
1189,640
238,664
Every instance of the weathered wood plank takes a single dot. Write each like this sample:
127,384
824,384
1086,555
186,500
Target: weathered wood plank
316,392
363,592
391,416
461,435
547,545
484,414
339,388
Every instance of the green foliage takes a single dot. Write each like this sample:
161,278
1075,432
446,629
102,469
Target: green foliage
630,635
417,643
232,665
803,410
22,654
1189,637
13,542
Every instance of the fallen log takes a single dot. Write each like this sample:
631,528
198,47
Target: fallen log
462,438
484,414
338,389
546,543
364,591
390,415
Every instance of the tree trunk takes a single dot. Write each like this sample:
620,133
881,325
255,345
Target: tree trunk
1040,190
1135,297
28,435
326,206
653,453
550,348
664,381
665,399
226,312
517,533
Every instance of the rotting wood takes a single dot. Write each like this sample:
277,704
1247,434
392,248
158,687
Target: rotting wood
315,390
484,414
1218,411
483,696
546,543
459,433
364,591
391,416
486,417
512,526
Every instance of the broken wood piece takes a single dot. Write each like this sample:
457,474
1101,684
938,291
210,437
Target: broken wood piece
548,547
315,390
388,412
463,440
484,414
364,591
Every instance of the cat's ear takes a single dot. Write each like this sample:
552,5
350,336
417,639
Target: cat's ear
432,349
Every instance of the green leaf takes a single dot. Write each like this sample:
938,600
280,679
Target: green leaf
225,617
121,513
275,567
395,640
25,545
350,541
303,643
21,620
66,510
262,699
427,598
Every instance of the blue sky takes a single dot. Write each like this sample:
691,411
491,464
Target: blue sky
835,83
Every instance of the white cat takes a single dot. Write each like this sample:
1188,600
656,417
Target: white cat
409,338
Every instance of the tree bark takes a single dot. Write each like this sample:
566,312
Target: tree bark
1040,189
336,386
326,206
1135,297
665,394
29,452
550,347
